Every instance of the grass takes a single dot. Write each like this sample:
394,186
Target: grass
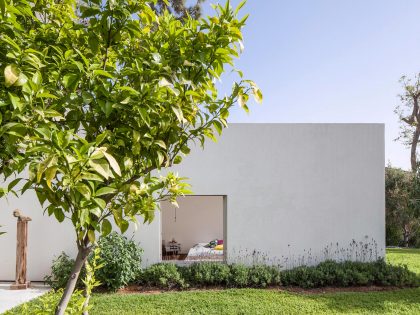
254,301
404,256
260,301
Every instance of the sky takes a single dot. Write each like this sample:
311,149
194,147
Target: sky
330,61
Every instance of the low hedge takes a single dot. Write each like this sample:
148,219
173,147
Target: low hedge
328,273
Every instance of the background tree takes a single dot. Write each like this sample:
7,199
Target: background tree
179,8
95,108
409,115
402,195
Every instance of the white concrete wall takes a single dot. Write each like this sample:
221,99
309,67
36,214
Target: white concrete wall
296,193
199,219
48,238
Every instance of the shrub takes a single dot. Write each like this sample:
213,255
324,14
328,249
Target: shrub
60,272
206,274
349,273
121,260
239,276
263,276
163,275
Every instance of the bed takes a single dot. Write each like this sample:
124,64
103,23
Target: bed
201,253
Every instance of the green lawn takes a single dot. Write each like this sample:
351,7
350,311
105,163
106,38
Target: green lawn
409,257
255,301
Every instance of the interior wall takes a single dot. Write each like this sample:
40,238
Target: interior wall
198,219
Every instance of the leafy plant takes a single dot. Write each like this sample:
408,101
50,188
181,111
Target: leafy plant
92,266
206,274
263,276
120,259
239,276
349,273
98,95
163,275
61,271
48,302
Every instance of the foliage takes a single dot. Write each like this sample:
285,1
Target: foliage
92,266
97,96
239,276
118,263
206,274
261,301
47,303
409,114
95,120
328,273
163,275
60,272
402,193
349,273
261,276
120,259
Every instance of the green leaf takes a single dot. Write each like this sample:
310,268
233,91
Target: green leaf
70,81
101,167
161,144
145,116
59,214
100,202
96,211
123,226
84,190
16,102
106,227
106,107
91,176
103,73
161,157
105,191
178,113
13,183
91,236
37,78
50,174
113,163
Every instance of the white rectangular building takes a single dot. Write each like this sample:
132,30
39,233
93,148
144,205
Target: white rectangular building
286,194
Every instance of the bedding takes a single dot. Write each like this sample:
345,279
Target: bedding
202,253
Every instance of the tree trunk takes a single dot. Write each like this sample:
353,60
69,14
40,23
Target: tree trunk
87,297
413,156
406,236
82,255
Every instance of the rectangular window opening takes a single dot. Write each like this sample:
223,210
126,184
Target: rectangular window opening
195,231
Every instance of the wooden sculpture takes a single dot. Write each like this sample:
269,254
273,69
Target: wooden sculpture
21,281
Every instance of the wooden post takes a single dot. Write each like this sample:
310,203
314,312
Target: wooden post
21,281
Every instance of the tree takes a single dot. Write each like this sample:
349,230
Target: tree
179,8
402,195
409,115
97,97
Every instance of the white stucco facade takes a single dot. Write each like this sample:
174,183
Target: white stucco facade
294,193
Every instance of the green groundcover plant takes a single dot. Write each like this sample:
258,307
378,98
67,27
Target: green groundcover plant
328,273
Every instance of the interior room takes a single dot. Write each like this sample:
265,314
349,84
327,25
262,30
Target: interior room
194,230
